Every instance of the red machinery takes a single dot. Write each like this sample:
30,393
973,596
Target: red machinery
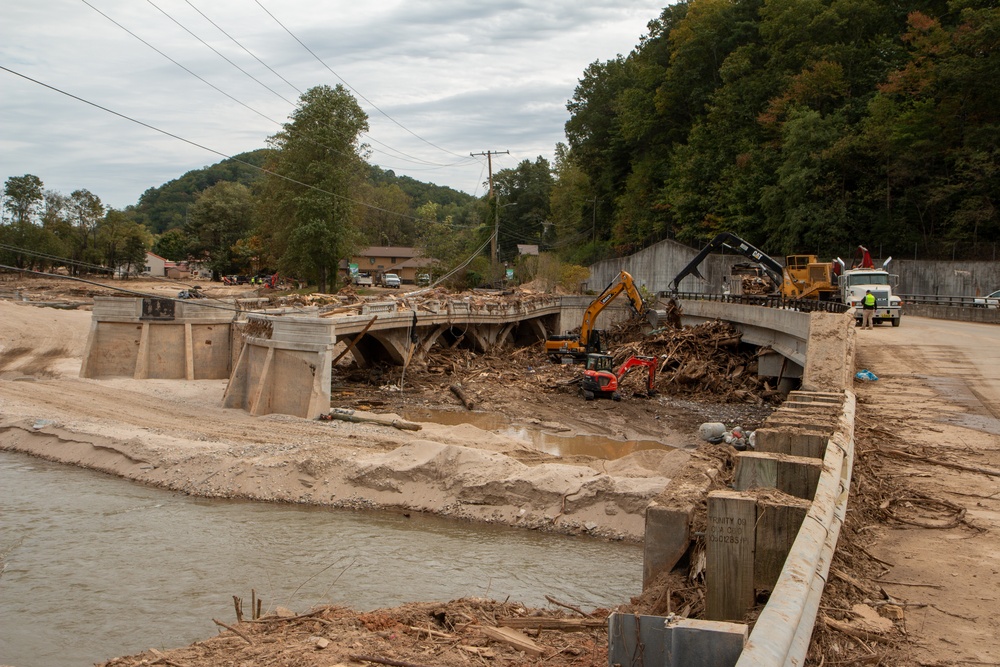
599,380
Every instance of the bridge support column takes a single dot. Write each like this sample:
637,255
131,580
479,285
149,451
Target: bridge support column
289,373
157,338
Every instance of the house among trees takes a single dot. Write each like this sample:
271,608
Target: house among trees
156,266
403,261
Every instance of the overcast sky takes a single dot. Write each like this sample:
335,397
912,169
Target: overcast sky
439,79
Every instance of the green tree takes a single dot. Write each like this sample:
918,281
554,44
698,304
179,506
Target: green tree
522,195
123,242
218,219
387,220
22,198
172,244
19,231
85,214
309,216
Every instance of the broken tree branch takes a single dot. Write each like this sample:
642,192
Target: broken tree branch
229,627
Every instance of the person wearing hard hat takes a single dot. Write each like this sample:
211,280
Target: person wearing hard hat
868,310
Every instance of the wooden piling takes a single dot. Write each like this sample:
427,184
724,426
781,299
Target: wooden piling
730,542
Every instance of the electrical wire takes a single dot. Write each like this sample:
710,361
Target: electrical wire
355,91
210,150
234,99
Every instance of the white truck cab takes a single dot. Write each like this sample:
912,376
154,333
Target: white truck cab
854,283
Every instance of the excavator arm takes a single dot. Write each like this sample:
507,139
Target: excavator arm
622,283
635,362
733,242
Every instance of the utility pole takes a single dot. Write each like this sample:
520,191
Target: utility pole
494,251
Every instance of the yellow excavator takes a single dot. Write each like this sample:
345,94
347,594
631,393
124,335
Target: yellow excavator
575,347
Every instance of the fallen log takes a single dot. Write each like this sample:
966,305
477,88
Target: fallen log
344,415
460,393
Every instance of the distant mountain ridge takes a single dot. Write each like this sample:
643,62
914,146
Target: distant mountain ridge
165,207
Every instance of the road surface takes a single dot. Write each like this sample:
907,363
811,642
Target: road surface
937,397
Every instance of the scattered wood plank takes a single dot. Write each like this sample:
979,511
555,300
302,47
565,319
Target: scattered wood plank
354,340
850,630
545,623
515,638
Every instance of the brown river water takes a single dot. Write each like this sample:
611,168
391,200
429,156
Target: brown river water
92,566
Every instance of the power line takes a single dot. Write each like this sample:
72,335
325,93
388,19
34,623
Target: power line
210,150
400,154
218,53
231,97
248,51
374,106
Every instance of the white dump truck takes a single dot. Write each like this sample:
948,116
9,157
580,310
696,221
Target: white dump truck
856,281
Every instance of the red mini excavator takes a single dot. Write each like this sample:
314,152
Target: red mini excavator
600,381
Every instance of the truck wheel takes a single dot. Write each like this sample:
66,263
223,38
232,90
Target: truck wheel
895,321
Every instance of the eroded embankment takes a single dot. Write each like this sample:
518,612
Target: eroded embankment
419,475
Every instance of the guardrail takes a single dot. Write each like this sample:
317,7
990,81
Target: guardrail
766,300
949,300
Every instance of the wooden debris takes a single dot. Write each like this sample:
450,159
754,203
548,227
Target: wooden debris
546,623
347,415
511,637
466,401
231,628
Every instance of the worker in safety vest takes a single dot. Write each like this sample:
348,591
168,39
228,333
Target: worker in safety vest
868,310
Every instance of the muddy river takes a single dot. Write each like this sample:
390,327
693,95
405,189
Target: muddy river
93,567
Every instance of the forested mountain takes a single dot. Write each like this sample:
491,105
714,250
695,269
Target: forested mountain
165,207
801,125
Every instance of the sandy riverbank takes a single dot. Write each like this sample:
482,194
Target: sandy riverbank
172,433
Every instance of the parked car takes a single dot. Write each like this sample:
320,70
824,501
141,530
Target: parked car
391,280
362,279
991,300
423,279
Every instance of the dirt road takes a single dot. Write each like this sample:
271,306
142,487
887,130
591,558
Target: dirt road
934,416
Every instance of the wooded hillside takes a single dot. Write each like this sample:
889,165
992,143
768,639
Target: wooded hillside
801,125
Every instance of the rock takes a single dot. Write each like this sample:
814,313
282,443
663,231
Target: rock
283,612
891,611
712,431
320,642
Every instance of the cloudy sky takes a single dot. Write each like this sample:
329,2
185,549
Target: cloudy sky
439,79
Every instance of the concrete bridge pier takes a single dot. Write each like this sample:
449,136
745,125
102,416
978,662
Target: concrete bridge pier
288,371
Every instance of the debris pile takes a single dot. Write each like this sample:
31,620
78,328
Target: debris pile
707,359
461,632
